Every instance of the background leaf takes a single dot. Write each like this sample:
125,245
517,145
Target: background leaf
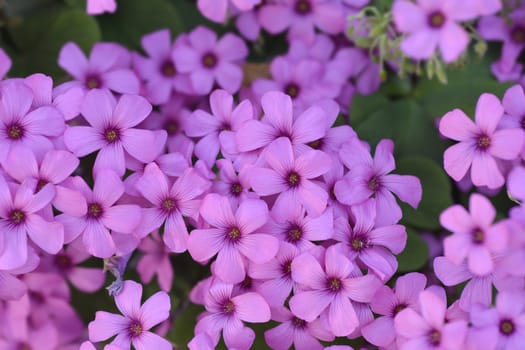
415,255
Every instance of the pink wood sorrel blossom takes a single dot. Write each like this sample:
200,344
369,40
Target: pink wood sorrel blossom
97,7
226,312
501,327
388,303
170,204
370,178
233,236
208,59
133,327
106,68
370,244
474,237
20,217
480,143
102,214
514,106
330,290
432,23
22,127
155,261
428,329
112,131
217,10
291,177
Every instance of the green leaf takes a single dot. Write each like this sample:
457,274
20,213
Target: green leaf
134,18
404,122
40,37
415,255
363,106
183,326
465,84
437,192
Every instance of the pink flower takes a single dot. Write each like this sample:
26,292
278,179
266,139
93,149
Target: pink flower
370,178
388,303
97,7
514,106
291,177
427,329
430,24
371,244
102,215
233,237
170,204
209,60
22,127
108,67
226,312
331,289
20,217
217,10
474,236
481,144
156,260
112,131
134,326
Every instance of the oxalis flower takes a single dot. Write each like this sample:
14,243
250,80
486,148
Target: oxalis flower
480,143
133,327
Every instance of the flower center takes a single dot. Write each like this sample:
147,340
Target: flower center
63,261
434,337
111,135
398,308
316,144
228,307
17,216
168,205
40,184
294,234
167,69
292,90
93,82
15,132
94,210
374,184
293,179
209,60
483,142
518,34
478,236
358,243
287,268
171,127
246,283
24,346
298,323
334,284
436,19
236,189
234,234
523,122
303,7
135,329
506,327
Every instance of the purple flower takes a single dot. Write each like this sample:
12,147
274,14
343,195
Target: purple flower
217,10
112,131
107,68
432,23
480,143
301,17
170,204
156,260
97,7
292,178
331,290
226,312
233,237
428,329
209,60
370,178
133,327
514,106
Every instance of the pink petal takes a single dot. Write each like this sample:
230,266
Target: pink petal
310,125
432,308
513,99
258,247
342,317
410,324
362,288
47,235
14,252
279,155
122,218
308,305
485,171
406,187
188,186
128,300
11,288
456,125
217,211
98,108
457,219
420,44
157,44
277,109
482,211
313,197
98,241
408,17
149,340
393,237
204,244
266,181
106,325
155,310
153,184
380,332
46,121
123,81
458,158
488,113
477,291
251,215
87,279
453,40
380,261
237,336
213,9
110,158
275,18
312,164
253,135
108,187
507,143
449,273
144,145
307,271
230,265
131,110
176,233
21,164
480,261
456,247
83,140
72,60
232,48
57,165
229,76
329,18
251,307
